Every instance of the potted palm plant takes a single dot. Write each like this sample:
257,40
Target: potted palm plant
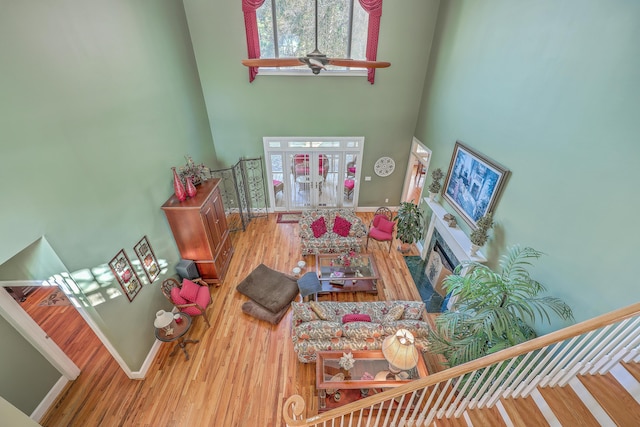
435,186
491,308
409,224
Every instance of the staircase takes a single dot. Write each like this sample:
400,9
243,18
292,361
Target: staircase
585,375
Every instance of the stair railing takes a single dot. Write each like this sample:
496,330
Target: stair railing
590,347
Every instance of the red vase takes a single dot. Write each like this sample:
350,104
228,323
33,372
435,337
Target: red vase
191,189
178,187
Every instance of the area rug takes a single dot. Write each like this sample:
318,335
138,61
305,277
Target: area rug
270,290
288,217
56,298
432,300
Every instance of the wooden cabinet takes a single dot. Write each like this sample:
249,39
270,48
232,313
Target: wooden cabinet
199,227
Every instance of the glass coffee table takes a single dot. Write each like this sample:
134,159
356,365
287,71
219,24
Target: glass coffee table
370,374
361,275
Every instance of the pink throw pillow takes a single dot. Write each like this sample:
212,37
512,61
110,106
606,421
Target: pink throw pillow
385,225
356,318
176,298
189,290
319,227
341,226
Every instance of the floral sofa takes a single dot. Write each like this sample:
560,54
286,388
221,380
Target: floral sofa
319,326
321,232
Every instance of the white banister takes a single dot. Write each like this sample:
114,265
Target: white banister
597,345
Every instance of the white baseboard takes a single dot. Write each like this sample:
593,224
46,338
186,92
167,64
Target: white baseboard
59,386
139,375
49,399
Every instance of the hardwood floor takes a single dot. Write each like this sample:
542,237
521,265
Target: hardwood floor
241,371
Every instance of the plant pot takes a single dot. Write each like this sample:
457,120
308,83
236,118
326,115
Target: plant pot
474,249
433,196
404,247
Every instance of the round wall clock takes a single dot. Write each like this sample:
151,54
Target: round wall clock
384,166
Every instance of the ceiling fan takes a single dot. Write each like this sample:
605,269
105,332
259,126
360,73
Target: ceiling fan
314,60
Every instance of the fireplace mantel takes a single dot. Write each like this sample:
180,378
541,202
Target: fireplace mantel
457,240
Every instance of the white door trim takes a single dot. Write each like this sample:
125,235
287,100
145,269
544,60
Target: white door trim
33,333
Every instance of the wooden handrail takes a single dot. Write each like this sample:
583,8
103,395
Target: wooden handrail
457,371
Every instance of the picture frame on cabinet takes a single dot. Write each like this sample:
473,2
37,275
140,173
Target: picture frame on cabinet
473,184
121,268
147,258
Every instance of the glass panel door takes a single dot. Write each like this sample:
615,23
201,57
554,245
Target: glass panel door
350,181
280,187
329,167
313,172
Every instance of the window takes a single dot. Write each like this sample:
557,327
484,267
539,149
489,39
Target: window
290,31
287,28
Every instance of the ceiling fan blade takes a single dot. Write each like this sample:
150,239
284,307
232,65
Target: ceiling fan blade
272,62
360,64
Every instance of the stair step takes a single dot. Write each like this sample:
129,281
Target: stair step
614,399
628,381
524,412
452,422
567,407
486,417
633,368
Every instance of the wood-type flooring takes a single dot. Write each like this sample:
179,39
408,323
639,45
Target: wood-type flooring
241,371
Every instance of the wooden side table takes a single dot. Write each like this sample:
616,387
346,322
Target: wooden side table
179,331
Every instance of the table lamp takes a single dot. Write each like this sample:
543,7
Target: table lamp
164,320
399,350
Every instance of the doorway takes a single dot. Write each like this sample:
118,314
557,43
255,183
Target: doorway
415,181
307,173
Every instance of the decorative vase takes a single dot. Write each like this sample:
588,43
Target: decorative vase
433,196
474,250
178,187
191,189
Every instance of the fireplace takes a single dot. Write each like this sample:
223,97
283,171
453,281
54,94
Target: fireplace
446,248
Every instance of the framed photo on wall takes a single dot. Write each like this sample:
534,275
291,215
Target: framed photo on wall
147,259
473,183
125,274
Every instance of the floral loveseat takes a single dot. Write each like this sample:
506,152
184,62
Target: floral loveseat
318,326
335,236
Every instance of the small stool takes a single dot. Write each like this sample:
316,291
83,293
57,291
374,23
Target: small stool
278,186
349,184
309,286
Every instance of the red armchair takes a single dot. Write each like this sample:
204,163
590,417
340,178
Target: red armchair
381,228
191,297
301,165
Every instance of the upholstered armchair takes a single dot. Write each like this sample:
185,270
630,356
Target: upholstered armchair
381,228
191,296
301,165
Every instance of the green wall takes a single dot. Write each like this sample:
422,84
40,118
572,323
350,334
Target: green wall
99,100
25,375
241,113
549,89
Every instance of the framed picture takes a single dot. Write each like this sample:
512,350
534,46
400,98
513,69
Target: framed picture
125,274
473,183
147,259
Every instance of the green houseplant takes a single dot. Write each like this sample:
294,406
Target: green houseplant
409,224
491,308
479,235
435,186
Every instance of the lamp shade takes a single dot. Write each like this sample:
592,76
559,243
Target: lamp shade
400,351
163,319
